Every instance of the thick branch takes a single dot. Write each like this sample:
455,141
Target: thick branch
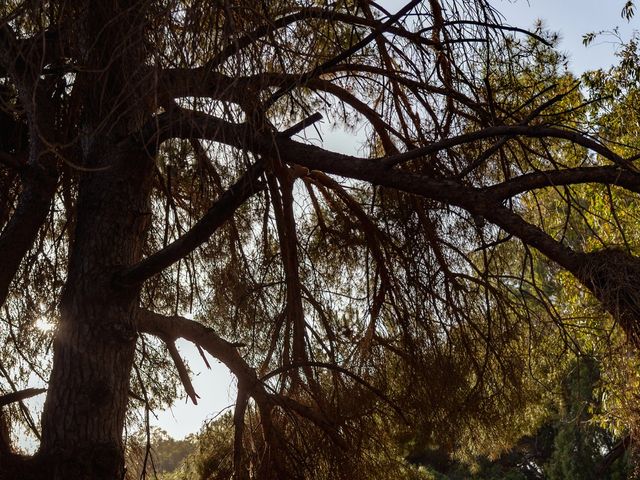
171,328
449,192
221,211
21,231
191,124
572,176
376,171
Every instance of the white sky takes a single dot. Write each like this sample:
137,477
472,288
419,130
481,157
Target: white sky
571,18
216,388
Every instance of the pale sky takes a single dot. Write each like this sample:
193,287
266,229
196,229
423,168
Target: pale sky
572,19
216,388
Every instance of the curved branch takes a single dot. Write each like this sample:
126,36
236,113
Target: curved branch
513,131
174,327
171,328
555,178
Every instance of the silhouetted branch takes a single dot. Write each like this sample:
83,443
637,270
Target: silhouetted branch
182,371
20,395
221,211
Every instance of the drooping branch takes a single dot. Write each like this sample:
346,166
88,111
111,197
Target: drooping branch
39,178
331,366
171,328
182,371
373,238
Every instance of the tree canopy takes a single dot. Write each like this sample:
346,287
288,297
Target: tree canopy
163,177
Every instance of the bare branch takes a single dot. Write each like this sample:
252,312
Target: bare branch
182,371
20,395
174,327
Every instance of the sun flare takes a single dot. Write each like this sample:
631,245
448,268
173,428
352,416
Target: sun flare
45,325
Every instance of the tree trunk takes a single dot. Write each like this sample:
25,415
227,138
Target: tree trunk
84,413
93,352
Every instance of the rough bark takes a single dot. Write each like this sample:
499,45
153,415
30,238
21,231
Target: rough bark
94,347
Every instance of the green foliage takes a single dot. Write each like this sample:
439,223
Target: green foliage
164,457
168,452
580,444
570,445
